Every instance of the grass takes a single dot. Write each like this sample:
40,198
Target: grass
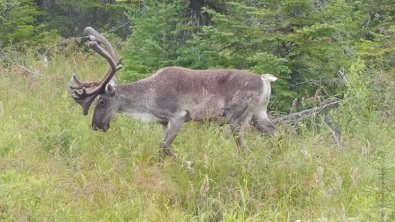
54,168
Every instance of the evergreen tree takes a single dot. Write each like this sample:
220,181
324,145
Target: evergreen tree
70,17
159,30
19,22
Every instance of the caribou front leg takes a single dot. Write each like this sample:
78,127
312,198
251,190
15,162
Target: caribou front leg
163,149
169,133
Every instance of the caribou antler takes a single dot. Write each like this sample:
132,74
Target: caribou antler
85,98
77,84
82,85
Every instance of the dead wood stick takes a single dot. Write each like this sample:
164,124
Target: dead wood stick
296,117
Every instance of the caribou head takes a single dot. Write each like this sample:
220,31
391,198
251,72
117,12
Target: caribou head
174,95
102,87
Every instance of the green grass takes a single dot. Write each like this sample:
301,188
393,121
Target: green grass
54,168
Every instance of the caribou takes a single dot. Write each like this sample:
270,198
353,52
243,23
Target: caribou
174,95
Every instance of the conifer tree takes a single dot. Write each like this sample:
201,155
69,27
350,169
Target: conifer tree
159,30
19,22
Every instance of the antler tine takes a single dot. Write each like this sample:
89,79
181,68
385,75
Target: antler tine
83,100
99,38
81,85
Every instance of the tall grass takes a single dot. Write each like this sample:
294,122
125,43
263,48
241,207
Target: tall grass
54,168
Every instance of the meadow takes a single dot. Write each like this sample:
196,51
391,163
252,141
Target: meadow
53,167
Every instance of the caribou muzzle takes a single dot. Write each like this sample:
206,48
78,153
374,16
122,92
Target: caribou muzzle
103,127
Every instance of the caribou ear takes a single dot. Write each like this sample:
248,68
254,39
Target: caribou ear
110,90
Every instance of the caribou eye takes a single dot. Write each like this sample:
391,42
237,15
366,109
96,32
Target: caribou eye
102,102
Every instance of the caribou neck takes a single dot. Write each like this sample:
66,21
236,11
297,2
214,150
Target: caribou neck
134,100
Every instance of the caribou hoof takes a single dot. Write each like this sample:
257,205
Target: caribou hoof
169,153
189,165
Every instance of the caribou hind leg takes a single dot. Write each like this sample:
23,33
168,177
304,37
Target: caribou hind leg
238,122
262,123
169,133
238,134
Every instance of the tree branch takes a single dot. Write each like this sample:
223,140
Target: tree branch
299,116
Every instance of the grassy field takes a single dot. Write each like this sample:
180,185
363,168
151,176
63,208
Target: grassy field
54,168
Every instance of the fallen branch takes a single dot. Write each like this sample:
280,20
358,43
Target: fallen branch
299,116
334,132
293,118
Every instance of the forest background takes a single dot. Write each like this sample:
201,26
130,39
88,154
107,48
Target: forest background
300,174
304,43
